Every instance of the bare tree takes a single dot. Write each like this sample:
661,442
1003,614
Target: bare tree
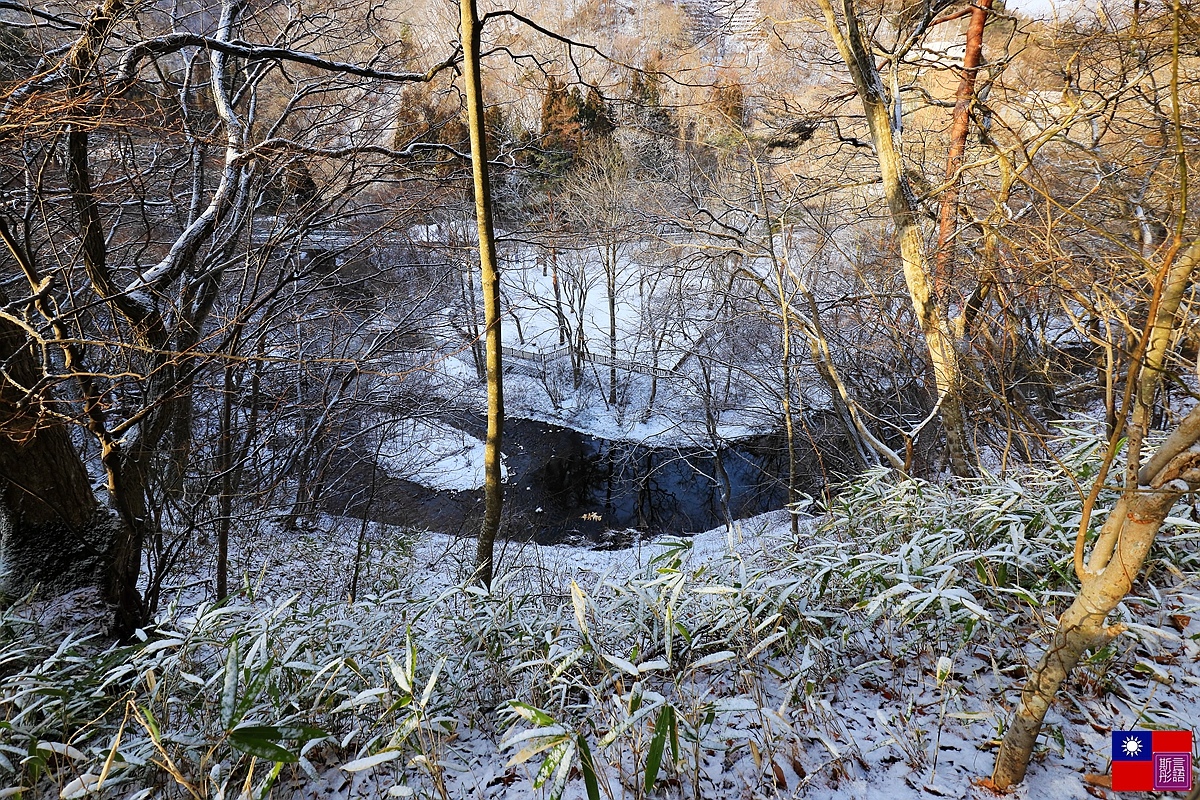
1144,288
883,123
963,101
472,29
156,276
602,198
1152,487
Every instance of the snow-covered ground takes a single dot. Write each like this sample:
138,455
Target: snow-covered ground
666,311
433,454
874,709
886,727
875,653
880,725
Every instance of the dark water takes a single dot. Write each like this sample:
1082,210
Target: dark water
565,486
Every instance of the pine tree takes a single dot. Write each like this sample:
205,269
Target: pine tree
562,134
595,116
650,113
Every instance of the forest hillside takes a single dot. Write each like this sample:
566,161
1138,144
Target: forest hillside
675,399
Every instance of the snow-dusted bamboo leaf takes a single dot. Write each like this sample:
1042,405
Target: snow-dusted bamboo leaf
230,687
579,604
80,786
361,764
433,677
563,771
399,675
713,659
555,757
62,749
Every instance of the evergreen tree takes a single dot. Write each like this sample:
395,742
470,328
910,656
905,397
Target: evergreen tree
571,121
562,134
649,111
595,116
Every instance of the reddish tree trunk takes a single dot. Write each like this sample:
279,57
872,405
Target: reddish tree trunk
948,213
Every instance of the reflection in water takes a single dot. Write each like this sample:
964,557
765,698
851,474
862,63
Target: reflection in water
660,489
566,486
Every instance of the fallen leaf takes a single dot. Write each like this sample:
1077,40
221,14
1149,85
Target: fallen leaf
1095,784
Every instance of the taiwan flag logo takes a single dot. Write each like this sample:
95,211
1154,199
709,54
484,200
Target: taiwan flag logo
1151,761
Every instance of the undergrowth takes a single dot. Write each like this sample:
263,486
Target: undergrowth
673,678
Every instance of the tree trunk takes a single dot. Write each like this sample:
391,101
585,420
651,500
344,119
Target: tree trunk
51,535
654,348
468,290
789,427
610,271
493,489
1119,553
225,496
85,544
127,482
866,443
558,309
1138,517
948,210
724,487
943,358
126,473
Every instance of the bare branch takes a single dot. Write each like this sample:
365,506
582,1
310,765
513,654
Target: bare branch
128,66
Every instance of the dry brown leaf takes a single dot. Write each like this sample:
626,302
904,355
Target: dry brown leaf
780,778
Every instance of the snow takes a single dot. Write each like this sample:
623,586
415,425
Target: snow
847,703
667,311
435,455
674,423
660,308
869,729
865,735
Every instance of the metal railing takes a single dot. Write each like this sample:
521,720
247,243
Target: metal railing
544,357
